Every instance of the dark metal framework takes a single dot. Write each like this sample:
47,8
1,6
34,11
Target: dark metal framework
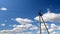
41,20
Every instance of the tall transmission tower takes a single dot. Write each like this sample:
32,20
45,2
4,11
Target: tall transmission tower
41,20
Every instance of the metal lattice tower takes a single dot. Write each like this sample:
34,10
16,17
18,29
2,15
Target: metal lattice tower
41,20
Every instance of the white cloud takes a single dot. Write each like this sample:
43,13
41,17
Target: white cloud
43,26
10,25
20,28
13,25
25,25
6,31
38,32
29,33
54,33
58,28
26,33
53,26
2,24
43,31
34,28
17,28
23,21
52,17
51,30
3,9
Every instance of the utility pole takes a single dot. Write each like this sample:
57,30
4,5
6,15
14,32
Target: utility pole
41,20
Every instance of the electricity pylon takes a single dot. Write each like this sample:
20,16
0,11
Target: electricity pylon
41,20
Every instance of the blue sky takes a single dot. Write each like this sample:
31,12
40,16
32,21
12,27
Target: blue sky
11,11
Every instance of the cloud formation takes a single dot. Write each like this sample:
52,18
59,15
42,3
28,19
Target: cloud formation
23,21
25,24
20,28
54,33
3,24
3,9
49,16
